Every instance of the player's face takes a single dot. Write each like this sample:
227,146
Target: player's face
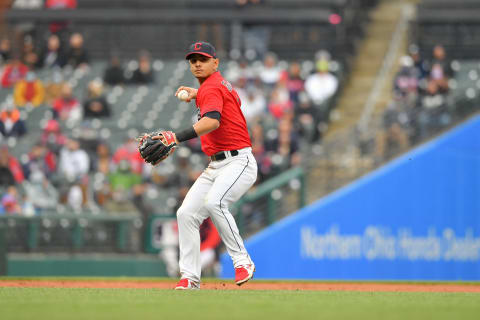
201,66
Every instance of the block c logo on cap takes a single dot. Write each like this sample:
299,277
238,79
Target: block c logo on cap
198,46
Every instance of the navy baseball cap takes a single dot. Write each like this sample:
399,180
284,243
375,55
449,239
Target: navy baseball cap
203,48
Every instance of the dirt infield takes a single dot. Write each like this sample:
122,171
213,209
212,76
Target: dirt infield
253,285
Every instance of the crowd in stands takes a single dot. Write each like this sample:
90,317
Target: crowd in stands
421,104
286,106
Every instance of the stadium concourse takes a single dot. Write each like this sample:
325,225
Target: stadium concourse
71,107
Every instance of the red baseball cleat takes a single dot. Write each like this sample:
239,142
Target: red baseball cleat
187,284
244,273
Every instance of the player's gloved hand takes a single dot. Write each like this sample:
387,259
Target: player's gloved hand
156,146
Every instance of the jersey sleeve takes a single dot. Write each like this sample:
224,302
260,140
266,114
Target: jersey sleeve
211,99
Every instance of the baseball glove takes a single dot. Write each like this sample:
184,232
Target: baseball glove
154,151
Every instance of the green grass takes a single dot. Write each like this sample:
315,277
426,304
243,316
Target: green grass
51,304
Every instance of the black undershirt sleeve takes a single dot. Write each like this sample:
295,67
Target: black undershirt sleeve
213,115
186,134
190,133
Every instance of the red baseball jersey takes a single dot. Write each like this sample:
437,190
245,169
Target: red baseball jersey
217,94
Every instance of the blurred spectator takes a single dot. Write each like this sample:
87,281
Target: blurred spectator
29,91
209,243
40,192
143,74
280,104
129,151
258,149
102,166
89,140
30,54
441,70
60,4
13,72
102,161
240,70
73,162
433,98
42,160
253,105
75,196
53,88
77,55
306,118
114,74
419,64
321,85
433,107
73,169
5,50
53,55
167,235
96,106
138,201
12,165
52,136
11,124
269,73
241,85
59,26
10,201
295,81
406,81
184,176
67,106
6,175
284,149
122,183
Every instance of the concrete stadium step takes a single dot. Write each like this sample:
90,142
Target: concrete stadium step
367,64
329,174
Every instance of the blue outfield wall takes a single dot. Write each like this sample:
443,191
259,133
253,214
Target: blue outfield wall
417,218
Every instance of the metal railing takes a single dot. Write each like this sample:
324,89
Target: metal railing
71,233
273,196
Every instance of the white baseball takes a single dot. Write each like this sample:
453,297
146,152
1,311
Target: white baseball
182,95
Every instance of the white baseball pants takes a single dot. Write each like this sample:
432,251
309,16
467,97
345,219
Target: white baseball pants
221,184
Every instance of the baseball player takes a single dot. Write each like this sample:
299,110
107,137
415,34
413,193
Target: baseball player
231,172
